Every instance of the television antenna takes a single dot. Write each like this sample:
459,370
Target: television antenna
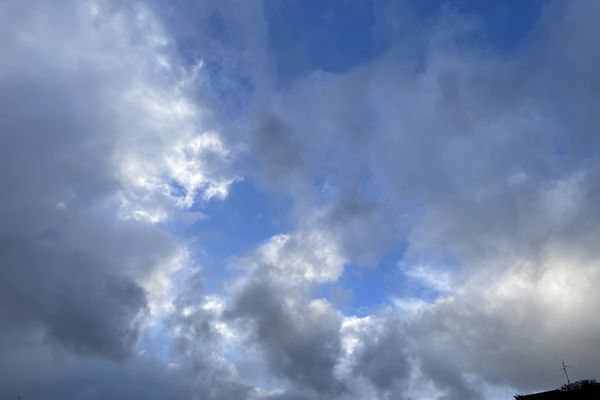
564,368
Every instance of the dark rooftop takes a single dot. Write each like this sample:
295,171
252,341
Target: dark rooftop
584,390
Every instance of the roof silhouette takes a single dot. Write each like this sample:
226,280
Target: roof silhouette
584,390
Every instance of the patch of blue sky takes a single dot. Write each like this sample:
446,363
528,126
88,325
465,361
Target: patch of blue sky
232,90
334,36
361,290
504,24
156,341
234,227
319,35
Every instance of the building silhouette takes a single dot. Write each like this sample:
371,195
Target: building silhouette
585,390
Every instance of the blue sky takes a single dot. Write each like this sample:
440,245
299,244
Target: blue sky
285,199
337,36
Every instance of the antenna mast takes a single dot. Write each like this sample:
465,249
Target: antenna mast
564,368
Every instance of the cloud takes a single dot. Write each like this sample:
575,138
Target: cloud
102,144
298,258
299,337
482,165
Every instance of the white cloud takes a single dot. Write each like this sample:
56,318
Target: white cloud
303,256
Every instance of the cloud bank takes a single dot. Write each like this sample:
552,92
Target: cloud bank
473,169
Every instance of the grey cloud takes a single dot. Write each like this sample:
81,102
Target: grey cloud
515,329
80,93
77,281
381,356
68,263
84,101
300,339
282,153
35,372
73,267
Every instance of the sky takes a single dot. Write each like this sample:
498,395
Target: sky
298,200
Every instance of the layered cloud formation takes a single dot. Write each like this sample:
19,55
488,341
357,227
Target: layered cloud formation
432,200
